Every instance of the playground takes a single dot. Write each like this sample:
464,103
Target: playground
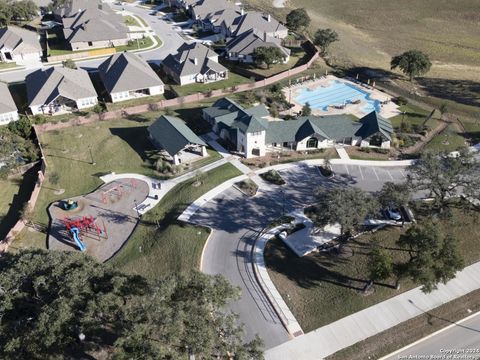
98,223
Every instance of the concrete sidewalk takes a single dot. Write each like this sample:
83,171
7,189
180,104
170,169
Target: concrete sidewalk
345,332
342,153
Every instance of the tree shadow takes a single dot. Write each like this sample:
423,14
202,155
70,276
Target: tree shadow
19,200
461,91
194,120
137,138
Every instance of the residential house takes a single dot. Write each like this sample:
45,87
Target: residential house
253,135
194,63
19,45
8,109
203,9
127,76
262,23
95,28
171,134
70,8
58,90
242,47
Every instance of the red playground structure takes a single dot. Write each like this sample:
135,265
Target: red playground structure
86,226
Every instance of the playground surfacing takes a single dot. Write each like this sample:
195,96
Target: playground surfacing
105,218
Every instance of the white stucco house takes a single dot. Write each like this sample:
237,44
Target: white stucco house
249,131
59,90
194,63
20,46
128,76
8,109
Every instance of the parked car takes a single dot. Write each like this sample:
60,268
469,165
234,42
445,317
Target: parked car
393,214
154,12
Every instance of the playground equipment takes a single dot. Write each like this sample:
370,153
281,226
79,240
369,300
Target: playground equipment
118,190
68,205
74,231
84,226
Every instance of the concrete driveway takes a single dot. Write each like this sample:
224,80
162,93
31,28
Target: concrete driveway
171,40
237,219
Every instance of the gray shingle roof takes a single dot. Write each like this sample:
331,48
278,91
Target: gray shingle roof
373,124
183,63
258,21
20,41
126,72
247,42
43,86
71,7
172,134
205,8
6,100
94,25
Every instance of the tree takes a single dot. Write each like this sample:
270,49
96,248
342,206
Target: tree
444,176
434,257
6,12
69,63
24,10
298,18
443,108
268,55
380,265
412,63
346,206
394,195
323,38
67,305
306,109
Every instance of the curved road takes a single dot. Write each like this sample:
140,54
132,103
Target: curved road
171,40
237,219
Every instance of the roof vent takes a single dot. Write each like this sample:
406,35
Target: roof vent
195,60
242,12
269,18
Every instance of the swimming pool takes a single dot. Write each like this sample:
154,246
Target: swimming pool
338,93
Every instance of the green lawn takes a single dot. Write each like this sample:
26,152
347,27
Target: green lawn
119,145
8,189
134,102
233,80
321,288
130,21
136,45
173,246
7,65
414,115
447,140
472,131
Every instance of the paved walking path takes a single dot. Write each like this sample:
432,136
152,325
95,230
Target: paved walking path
342,153
345,332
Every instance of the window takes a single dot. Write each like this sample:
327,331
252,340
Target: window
90,43
312,143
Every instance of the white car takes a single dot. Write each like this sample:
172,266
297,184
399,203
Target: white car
393,214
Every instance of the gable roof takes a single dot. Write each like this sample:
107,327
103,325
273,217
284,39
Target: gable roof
206,8
6,100
192,59
373,124
258,21
247,42
44,86
94,24
20,41
172,134
127,71
71,7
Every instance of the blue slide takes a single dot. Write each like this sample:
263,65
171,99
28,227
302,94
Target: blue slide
74,232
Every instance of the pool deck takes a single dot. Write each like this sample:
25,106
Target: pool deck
387,110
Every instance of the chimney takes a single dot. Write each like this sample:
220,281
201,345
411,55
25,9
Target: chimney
269,18
195,60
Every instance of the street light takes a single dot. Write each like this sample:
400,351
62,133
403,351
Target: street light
92,162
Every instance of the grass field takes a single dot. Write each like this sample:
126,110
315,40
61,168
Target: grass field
372,31
120,145
233,80
448,140
414,116
173,246
321,288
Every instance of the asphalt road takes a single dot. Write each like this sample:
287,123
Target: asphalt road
237,219
171,40
460,342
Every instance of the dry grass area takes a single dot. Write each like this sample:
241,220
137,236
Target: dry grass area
335,281
371,31
412,330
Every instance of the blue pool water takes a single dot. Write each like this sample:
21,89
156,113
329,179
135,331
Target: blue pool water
337,93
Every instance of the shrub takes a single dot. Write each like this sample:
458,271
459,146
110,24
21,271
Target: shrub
400,100
273,177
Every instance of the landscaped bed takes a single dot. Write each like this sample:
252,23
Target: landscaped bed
323,287
272,176
355,152
248,187
289,156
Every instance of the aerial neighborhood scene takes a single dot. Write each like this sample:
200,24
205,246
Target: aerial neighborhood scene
239,179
